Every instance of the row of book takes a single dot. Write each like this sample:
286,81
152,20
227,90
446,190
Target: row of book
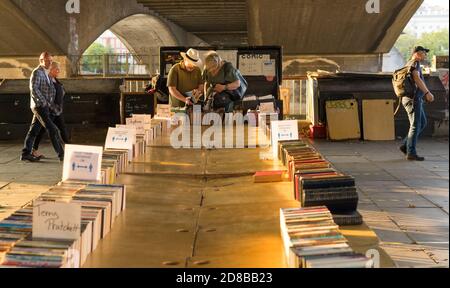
100,201
147,129
19,249
312,239
100,205
317,183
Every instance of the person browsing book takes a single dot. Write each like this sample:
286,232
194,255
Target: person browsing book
185,80
222,82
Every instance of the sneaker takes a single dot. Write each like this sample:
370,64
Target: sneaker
415,158
403,149
30,158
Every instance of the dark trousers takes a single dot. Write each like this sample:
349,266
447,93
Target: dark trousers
41,119
225,100
59,122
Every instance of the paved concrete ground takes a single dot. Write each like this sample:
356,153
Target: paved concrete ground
405,203
21,182
201,208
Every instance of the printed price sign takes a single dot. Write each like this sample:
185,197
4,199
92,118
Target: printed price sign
282,131
82,163
120,138
53,220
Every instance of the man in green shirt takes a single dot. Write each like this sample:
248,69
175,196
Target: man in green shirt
185,80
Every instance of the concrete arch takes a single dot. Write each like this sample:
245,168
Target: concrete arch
142,34
71,34
139,32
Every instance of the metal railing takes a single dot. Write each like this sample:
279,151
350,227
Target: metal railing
117,65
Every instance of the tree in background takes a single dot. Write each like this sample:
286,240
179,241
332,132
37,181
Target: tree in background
92,60
437,42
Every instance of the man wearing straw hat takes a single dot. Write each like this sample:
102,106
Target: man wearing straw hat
185,80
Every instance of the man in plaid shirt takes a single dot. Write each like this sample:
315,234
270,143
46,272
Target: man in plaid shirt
42,99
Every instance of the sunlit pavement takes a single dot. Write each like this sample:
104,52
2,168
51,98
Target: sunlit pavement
405,203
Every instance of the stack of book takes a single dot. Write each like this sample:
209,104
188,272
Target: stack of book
119,157
312,240
159,126
12,230
44,254
264,120
165,122
28,252
109,171
147,129
317,183
100,204
141,142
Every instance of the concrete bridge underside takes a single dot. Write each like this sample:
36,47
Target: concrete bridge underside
302,27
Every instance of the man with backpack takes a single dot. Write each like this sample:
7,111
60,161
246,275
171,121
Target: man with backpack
413,104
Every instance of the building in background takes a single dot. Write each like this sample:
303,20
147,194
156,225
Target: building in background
393,60
110,40
109,56
429,18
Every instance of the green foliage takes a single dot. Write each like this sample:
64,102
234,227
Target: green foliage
98,49
437,42
93,58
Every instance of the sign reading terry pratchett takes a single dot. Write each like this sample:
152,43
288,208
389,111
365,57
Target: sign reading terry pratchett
53,220
282,131
82,162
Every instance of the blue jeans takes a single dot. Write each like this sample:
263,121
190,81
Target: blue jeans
41,119
417,121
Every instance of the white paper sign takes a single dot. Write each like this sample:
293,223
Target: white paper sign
120,138
253,64
129,127
82,163
282,131
139,124
269,68
163,110
250,66
168,67
53,220
145,118
229,55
